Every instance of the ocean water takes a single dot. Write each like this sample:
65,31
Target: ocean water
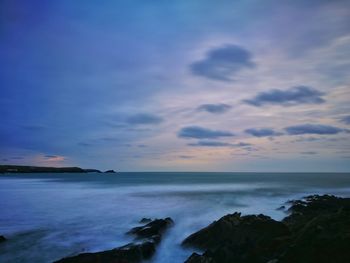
50,216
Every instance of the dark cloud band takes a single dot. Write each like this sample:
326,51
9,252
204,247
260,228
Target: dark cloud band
202,133
223,63
293,96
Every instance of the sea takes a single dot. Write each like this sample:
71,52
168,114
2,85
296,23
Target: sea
46,217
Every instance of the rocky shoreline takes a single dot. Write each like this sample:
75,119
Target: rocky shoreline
316,230
147,238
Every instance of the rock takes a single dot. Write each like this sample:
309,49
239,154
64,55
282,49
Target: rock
281,208
236,238
131,253
237,229
2,239
302,211
152,230
148,236
145,220
110,171
196,258
320,230
316,231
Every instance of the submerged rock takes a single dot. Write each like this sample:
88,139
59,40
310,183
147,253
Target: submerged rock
147,236
2,239
316,231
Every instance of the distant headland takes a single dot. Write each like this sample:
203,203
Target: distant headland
40,169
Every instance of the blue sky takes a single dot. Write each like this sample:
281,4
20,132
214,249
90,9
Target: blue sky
176,85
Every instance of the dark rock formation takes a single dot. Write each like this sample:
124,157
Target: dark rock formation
131,253
110,171
147,236
196,258
152,230
316,231
236,238
145,220
281,208
320,230
2,239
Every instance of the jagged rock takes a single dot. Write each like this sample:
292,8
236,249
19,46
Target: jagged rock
320,229
316,231
152,230
2,239
281,208
238,230
196,258
145,220
131,253
148,236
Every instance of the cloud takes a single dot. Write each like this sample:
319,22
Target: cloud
345,119
312,129
293,96
223,62
264,132
202,133
219,144
54,158
144,118
215,108
185,156
309,153
210,144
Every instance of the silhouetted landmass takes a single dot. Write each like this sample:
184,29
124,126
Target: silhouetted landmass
316,231
147,237
39,169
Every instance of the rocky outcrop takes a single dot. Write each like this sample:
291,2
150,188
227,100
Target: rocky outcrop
131,253
147,238
145,220
2,239
316,231
236,238
153,230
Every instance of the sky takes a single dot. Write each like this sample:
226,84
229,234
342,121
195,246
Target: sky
200,85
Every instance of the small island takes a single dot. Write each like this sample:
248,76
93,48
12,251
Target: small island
41,169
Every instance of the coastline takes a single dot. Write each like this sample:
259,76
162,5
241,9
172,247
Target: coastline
43,169
315,229
69,214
